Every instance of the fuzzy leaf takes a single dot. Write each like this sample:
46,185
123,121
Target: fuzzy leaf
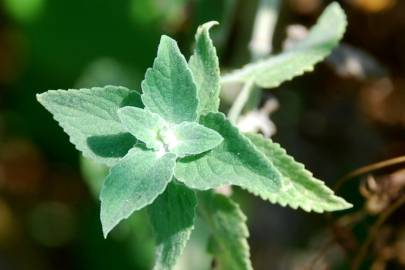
144,125
227,225
89,117
205,67
299,188
133,183
193,138
172,217
169,89
236,161
319,43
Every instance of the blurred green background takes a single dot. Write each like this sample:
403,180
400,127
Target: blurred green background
348,113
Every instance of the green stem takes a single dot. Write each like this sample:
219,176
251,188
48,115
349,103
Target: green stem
240,102
260,46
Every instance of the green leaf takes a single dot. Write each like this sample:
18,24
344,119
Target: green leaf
299,188
144,125
193,138
169,89
229,232
135,182
319,43
89,117
205,67
236,161
172,217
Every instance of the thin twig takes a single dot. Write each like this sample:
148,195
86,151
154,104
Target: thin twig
374,230
369,168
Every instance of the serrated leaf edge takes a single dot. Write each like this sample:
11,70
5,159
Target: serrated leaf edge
39,98
149,202
204,30
235,76
322,185
229,182
243,218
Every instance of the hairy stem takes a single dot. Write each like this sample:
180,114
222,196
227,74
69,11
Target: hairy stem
260,46
240,102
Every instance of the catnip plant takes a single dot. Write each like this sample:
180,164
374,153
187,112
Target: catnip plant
168,147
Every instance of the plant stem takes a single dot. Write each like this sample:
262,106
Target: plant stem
260,46
240,101
374,231
369,168
263,30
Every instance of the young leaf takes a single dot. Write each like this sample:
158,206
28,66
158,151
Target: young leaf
144,125
236,161
205,67
134,183
172,217
89,117
193,138
321,40
299,188
169,89
229,232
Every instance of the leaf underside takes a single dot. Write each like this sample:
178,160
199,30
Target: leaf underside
172,218
236,161
204,64
227,225
298,187
321,40
89,117
133,183
169,89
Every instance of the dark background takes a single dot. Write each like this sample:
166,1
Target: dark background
334,120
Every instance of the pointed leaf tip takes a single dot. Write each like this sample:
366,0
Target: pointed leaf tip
208,25
204,65
322,38
133,183
169,88
89,117
299,188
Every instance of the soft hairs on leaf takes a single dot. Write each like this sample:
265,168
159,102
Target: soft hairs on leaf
193,138
89,117
169,89
132,184
321,40
172,218
228,229
236,161
144,125
204,64
298,187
